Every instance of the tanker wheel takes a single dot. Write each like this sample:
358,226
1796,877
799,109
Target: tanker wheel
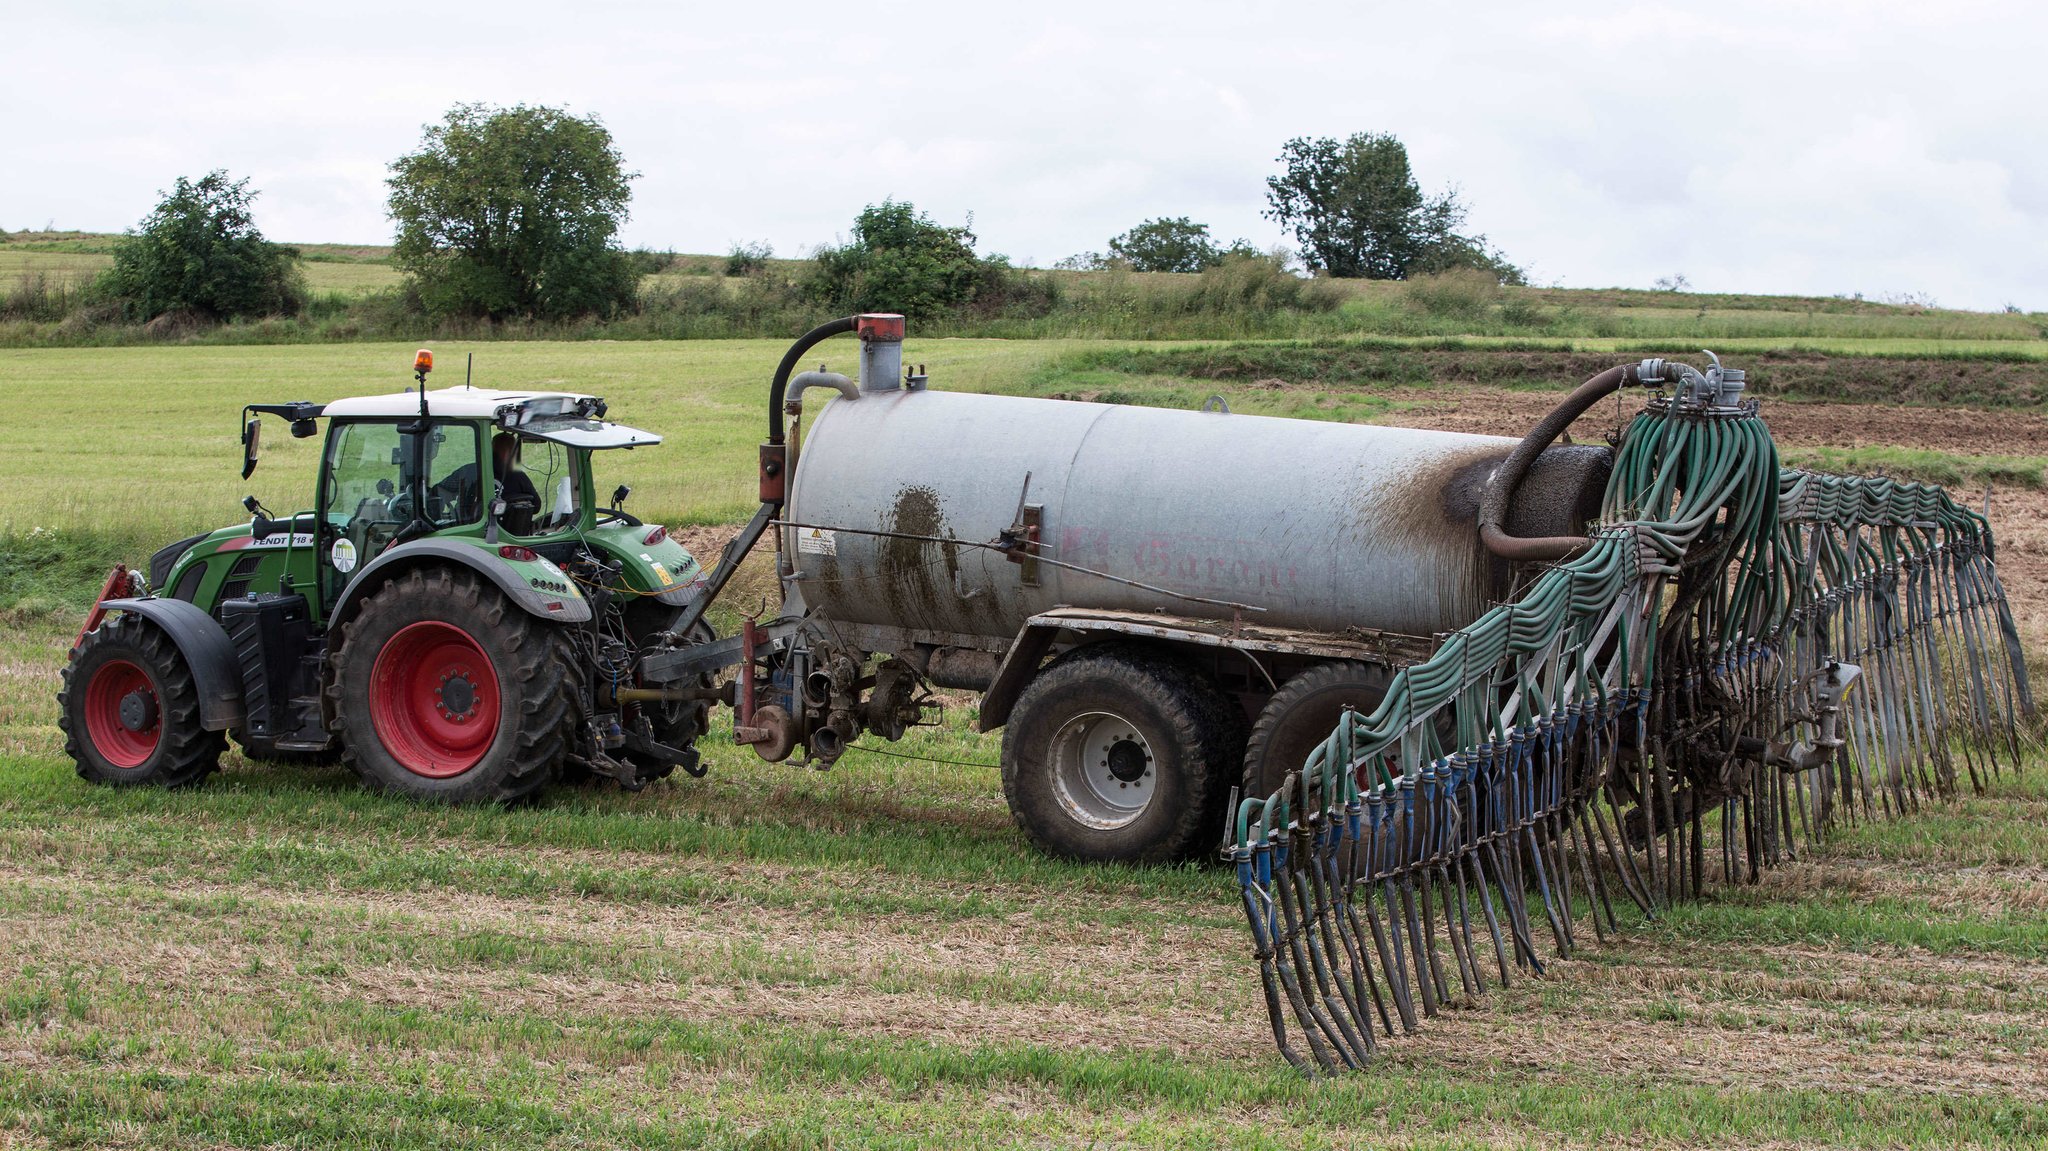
445,691
1112,754
129,709
1301,715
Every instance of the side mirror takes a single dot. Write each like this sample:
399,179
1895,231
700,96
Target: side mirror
252,445
619,495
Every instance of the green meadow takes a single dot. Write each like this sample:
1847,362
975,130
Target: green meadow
775,957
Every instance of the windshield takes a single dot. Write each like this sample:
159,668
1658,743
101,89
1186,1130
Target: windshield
370,471
367,487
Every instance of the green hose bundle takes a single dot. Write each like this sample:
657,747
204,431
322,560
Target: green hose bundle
1739,657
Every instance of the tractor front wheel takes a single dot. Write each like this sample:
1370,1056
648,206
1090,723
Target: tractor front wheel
446,691
129,709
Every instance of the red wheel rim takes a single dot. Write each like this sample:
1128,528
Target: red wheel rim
123,746
434,699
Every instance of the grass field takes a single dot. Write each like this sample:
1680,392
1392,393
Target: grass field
173,418
345,270
353,295
171,414
772,957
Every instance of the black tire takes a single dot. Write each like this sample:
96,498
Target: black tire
1165,728
1301,715
514,669
126,673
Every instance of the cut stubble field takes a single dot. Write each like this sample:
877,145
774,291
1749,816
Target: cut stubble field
774,957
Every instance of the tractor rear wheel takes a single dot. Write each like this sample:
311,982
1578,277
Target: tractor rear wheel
1119,754
1301,715
446,691
129,709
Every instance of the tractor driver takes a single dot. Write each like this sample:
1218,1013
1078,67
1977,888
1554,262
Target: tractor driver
514,486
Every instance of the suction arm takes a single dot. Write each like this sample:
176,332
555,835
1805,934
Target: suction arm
804,343
1500,490
1720,387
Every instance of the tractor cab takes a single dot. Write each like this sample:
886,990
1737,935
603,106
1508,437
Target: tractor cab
495,467
454,595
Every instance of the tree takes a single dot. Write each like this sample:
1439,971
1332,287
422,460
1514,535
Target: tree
199,250
1175,244
749,259
514,212
1357,211
901,260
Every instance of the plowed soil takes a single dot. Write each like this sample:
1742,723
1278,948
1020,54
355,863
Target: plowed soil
2019,516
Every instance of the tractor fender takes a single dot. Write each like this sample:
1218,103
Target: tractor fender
555,607
682,595
204,645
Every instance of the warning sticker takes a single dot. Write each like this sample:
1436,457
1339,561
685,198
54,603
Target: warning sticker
666,579
817,541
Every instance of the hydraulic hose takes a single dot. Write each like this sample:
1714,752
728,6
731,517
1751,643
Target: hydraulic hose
804,343
1500,490
1590,719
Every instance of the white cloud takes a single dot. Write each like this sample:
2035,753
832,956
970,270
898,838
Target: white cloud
1855,145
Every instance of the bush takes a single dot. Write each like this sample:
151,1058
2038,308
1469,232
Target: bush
704,306
1254,282
514,212
747,259
1356,210
648,262
1177,244
901,260
1517,310
200,252
1463,293
38,295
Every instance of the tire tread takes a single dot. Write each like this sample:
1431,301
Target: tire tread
538,652
193,753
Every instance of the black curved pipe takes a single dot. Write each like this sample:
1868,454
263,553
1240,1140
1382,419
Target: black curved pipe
804,343
1500,490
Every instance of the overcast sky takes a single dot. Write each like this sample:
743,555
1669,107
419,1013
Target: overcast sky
1823,147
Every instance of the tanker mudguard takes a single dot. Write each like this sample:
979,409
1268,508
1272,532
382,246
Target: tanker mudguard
206,651
570,608
1036,638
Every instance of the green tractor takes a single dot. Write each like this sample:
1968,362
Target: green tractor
457,618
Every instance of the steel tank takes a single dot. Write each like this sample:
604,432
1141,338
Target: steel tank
1326,526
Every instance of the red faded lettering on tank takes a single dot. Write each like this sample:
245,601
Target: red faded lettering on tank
1086,546
1190,563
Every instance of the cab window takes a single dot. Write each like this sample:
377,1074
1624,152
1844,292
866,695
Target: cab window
367,481
553,472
